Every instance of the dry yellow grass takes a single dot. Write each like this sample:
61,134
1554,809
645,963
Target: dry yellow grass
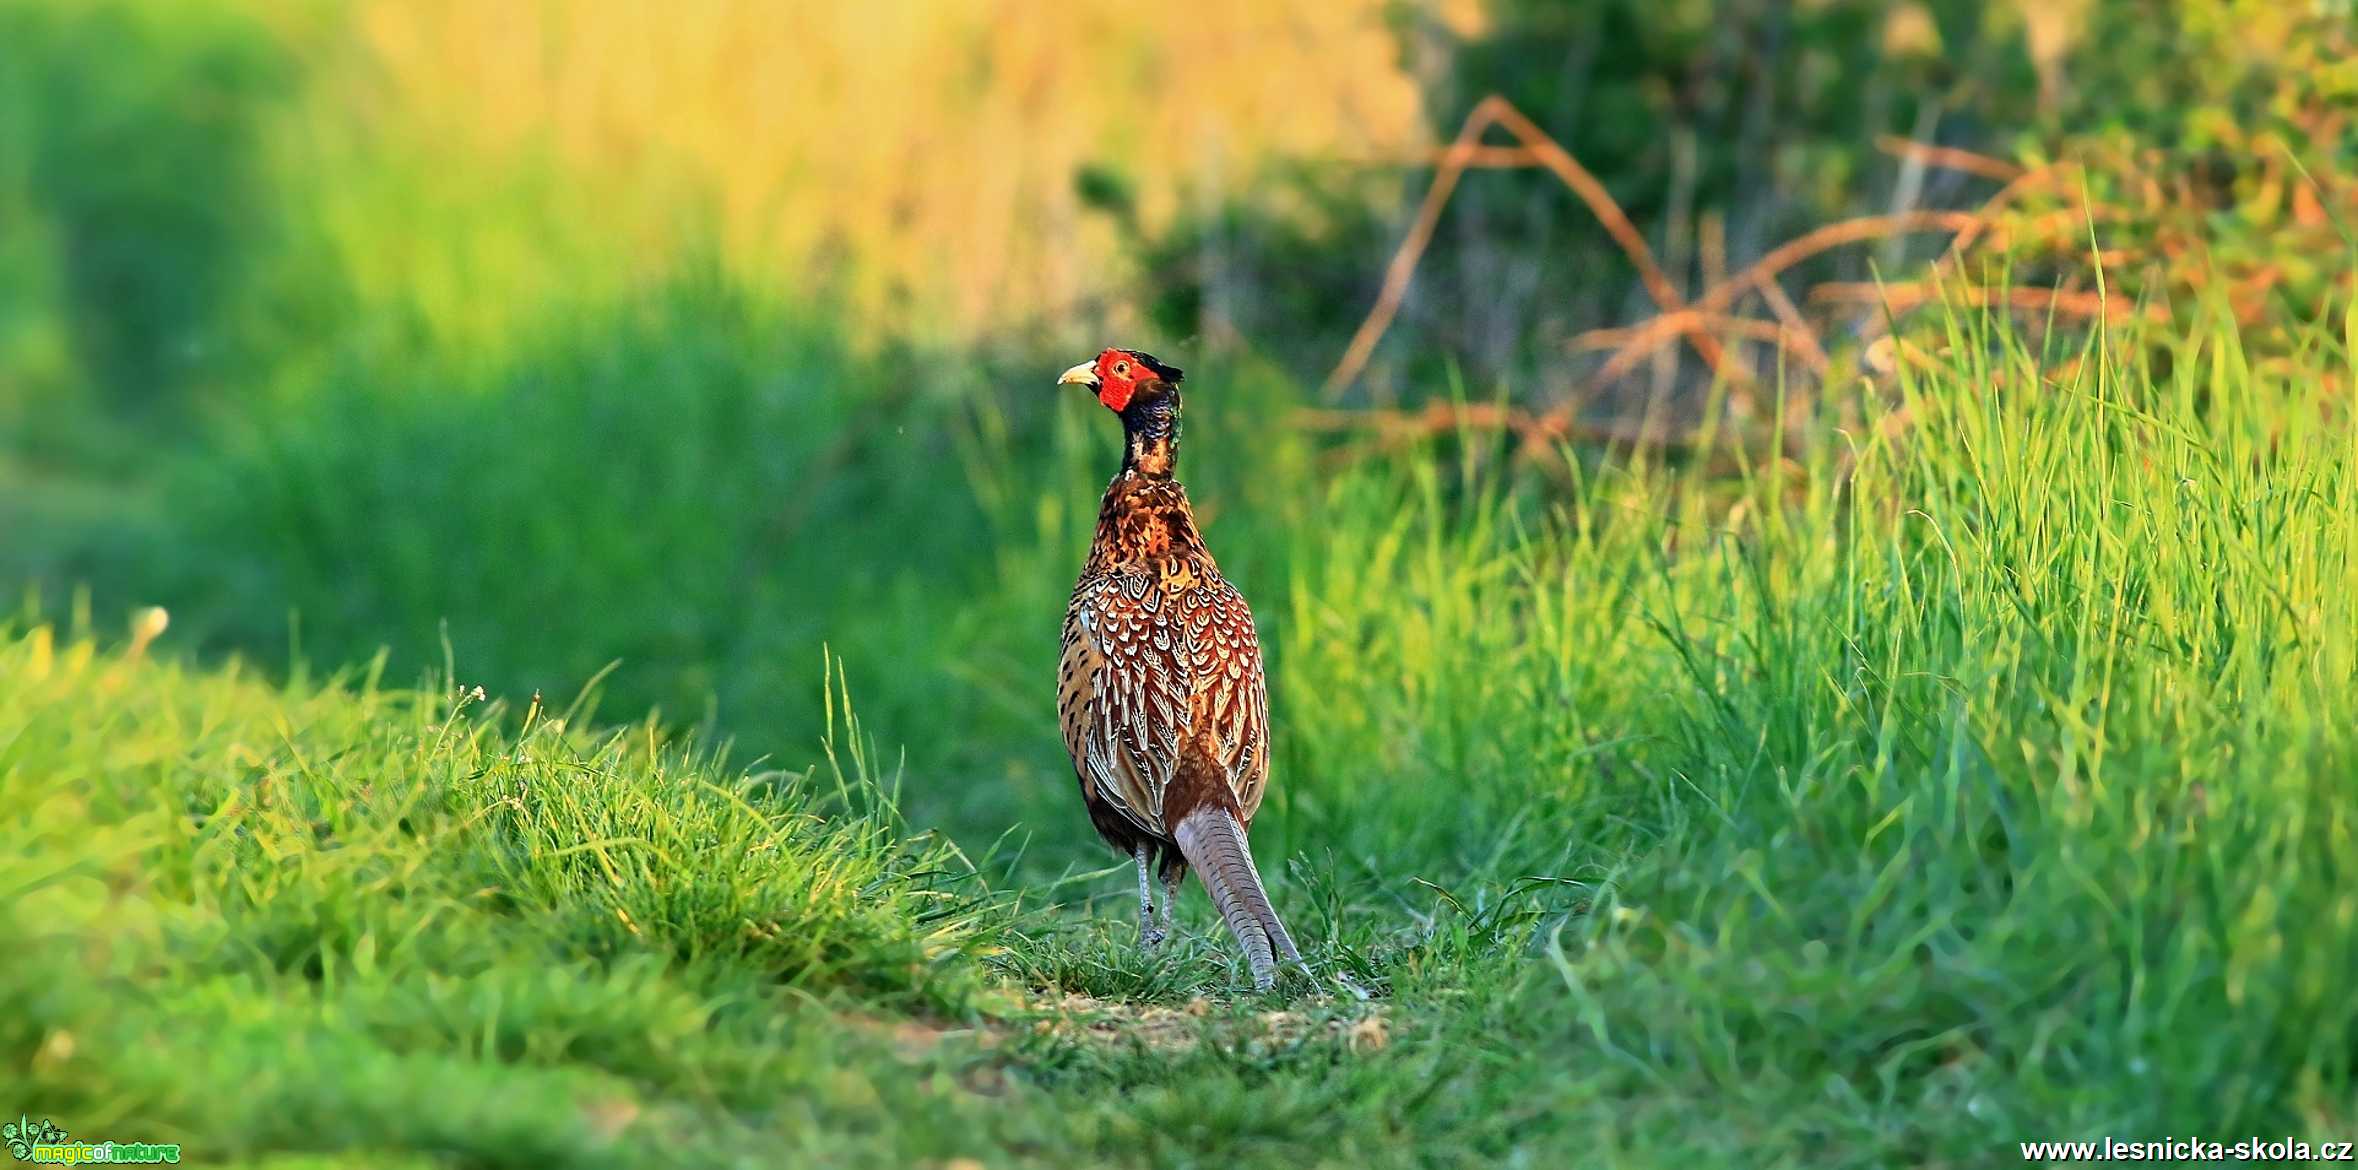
921,152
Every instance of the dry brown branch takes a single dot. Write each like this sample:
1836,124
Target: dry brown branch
1764,271
1902,297
1983,216
2066,228
1616,224
1431,419
1712,242
1987,213
1790,314
1412,249
1441,418
1544,151
1748,328
1473,157
1480,157
1949,158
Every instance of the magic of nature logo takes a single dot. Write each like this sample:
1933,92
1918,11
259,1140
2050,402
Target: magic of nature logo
43,1143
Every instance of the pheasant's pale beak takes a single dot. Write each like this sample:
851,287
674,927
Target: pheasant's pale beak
1084,374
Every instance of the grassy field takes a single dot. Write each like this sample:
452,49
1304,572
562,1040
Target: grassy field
615,543
1970,781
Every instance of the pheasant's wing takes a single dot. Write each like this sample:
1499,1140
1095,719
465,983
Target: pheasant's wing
1122,695
1229,699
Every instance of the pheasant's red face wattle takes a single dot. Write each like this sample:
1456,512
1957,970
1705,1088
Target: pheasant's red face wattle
1117,374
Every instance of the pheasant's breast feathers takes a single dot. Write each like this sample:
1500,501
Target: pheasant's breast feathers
1160,659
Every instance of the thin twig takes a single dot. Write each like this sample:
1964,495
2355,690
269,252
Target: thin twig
1949,158
1543,150
1616,223
1764,271
1748,328
1479,157
1983,217
1412,249
1441,418
1904,296
1790,314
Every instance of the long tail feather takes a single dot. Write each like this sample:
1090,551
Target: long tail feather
1214,844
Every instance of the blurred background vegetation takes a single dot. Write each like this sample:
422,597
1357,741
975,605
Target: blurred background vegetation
571,335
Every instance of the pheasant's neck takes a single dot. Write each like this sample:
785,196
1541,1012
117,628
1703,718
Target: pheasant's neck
1151,436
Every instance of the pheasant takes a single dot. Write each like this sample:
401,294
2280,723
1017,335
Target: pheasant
1165,712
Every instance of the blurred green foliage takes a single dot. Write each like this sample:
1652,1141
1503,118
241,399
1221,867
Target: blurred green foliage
533,448
136,199
224,396
698,483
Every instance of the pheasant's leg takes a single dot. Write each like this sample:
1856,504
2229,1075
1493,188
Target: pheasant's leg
1149,936
1170,899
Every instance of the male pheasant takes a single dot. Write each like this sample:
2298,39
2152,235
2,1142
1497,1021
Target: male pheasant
1160,692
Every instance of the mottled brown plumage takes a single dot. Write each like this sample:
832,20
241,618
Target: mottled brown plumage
1160,691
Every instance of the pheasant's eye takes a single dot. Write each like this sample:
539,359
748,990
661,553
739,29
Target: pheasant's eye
1121,367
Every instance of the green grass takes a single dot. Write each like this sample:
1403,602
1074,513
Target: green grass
405,921
1981,772
1980,779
